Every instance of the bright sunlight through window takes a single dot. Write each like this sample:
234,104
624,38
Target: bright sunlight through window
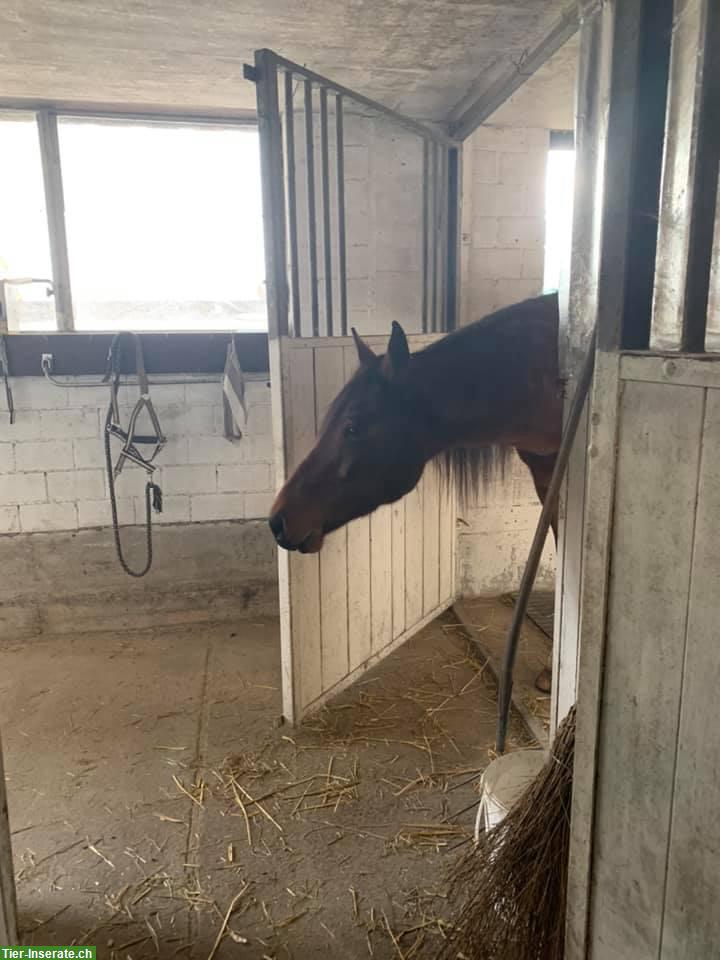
163,222
24,247
559,187
164,225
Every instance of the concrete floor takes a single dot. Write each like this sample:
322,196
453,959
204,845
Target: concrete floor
488,621
150,783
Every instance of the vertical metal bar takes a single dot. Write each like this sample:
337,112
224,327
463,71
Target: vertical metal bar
292,203
692,157
442,227
327,237
273,191
647,170
4,319
312,229
55,210
342,253
425,231
453,238
434,236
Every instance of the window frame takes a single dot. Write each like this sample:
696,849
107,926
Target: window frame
79,352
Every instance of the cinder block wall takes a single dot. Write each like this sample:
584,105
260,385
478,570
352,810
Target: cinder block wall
214,558
503,238
52,460
504,217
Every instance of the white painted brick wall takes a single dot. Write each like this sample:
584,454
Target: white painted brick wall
503,217
503,235
52,460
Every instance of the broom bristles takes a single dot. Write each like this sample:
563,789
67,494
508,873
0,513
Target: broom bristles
512,884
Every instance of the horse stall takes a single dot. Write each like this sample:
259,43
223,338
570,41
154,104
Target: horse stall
277,752
644,866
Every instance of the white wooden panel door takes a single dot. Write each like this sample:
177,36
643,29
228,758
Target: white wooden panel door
375,582
650,815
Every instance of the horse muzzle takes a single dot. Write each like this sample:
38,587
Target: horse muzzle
311,543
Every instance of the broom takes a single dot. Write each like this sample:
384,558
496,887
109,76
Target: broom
512,884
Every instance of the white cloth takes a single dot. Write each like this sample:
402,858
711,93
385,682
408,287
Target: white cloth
234,410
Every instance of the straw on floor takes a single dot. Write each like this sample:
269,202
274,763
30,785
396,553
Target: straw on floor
512,885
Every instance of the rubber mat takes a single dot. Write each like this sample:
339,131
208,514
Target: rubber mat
541,609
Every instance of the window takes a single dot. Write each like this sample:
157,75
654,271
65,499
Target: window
559,189
163,222
24,247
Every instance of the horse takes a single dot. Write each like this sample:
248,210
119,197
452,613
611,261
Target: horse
467,401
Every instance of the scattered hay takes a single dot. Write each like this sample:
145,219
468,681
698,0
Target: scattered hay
434,836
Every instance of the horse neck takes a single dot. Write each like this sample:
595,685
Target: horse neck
473,389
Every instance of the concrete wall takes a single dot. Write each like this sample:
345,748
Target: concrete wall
52,466
214,559
503,237
503,218
71,583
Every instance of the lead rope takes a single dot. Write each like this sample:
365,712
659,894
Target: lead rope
153,500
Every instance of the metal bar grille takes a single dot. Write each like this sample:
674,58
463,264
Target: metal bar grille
690,183
296,264
273,184
327,238
342,253
311,211
425,233
292,202
434,180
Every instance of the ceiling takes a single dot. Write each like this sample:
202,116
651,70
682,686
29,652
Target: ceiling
419,56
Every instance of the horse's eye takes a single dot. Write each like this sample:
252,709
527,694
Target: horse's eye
351,431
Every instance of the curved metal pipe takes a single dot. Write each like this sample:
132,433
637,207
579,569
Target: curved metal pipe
528,579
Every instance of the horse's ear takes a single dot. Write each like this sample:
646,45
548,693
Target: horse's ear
365,355
397,358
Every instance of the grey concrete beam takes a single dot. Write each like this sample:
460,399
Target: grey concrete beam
464,120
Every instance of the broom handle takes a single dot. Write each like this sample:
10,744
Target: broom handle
528,579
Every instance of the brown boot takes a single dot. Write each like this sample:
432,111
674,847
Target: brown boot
543,681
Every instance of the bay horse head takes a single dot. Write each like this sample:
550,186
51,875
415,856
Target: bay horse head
371,450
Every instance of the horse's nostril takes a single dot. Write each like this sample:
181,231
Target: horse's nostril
277,525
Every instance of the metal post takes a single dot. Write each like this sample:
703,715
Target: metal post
434,180
292,203
342,256
312,229
453,238
443,239
55,211
327,237
425,232
690,180
271,169
4,319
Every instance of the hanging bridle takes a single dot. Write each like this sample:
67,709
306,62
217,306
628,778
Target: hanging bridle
130,441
